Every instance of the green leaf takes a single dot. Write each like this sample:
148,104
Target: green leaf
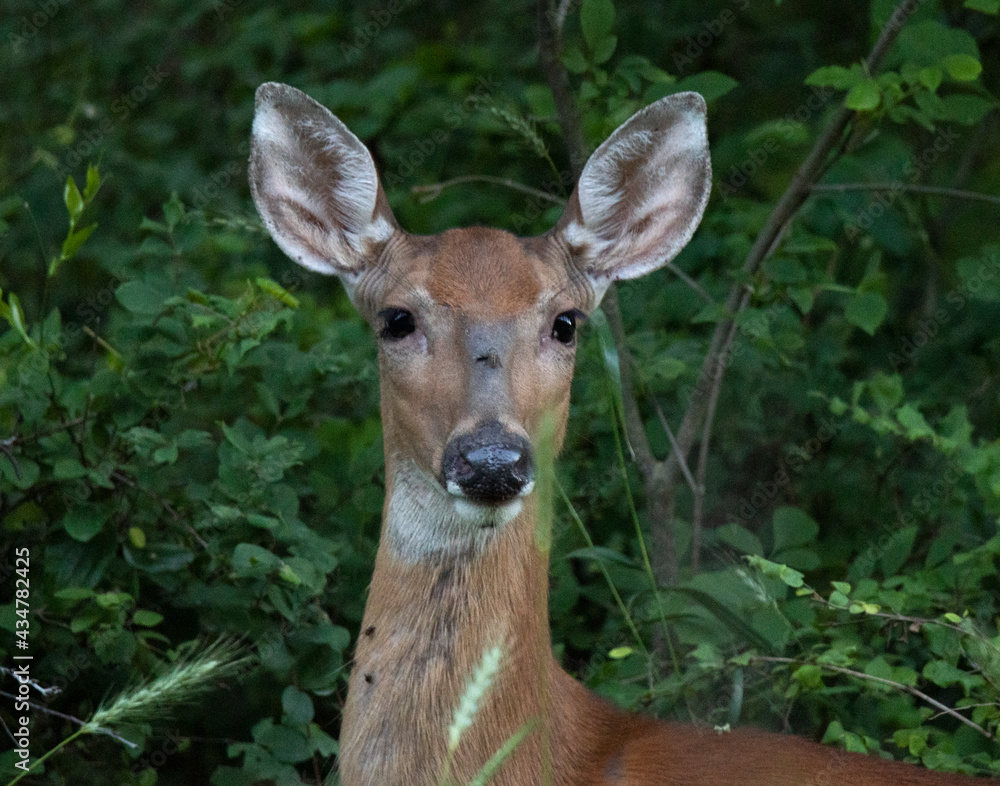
734,621
896,550
931,77
985,6
864,96
140,298
250,559
739,538
833,76
297,706
67,469
867,310
793,527
604,50
574,60
711,84
602,554
83,523
809,676
74,240
597,18
73,199
839,600
15,315
173,211
962,68
275,289
147,619
620,653
915,424
775,570
288,745
93,183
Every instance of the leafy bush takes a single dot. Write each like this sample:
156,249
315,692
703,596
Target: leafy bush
190,444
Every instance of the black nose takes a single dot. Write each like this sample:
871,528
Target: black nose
488,465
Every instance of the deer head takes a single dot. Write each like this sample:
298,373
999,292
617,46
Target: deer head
476,327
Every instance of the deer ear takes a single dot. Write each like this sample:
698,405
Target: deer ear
642,192
315,185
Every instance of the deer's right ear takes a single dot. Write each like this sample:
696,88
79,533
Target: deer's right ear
315,185
641,194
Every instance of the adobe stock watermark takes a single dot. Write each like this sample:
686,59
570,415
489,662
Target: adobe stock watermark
915,166
379,18
32,25
424,148
764,492
987,272
556,187
708,33
172,743
787,129
921,504
222,179
121,109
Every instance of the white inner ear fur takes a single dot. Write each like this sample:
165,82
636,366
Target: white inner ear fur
296,138
643,191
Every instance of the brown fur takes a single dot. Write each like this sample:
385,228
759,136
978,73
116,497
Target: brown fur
431,621
452,581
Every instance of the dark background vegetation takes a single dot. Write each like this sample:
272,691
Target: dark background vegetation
189,432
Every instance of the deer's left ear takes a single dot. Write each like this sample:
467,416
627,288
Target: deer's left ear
642,192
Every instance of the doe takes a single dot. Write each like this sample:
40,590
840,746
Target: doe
477,335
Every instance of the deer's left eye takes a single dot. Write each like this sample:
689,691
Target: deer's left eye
564,327
397,323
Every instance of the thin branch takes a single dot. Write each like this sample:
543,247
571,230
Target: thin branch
944,708
73,719
784,211
914,188
51,690
635,432
697,516
702,292
557,78
681,459
121,477
432,191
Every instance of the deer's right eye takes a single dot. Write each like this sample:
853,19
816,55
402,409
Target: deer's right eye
397,323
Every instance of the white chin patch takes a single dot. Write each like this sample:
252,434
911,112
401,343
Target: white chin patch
487,515
425,520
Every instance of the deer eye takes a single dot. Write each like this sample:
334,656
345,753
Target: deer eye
397,323
564,327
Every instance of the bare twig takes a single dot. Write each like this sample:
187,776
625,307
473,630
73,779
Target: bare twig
660,476
697,516
121,477
432,191
73,719
944,708
913,188
816,163
681,459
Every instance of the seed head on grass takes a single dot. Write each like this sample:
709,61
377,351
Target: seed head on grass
467,708
188,677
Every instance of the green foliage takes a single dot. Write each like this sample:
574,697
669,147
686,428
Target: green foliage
189,433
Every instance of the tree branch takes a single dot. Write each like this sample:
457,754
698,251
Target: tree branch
710,376
432,191
892,683
913,188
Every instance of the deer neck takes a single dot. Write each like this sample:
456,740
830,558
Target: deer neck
446,589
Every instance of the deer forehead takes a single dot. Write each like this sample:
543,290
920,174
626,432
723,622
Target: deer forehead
485,274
